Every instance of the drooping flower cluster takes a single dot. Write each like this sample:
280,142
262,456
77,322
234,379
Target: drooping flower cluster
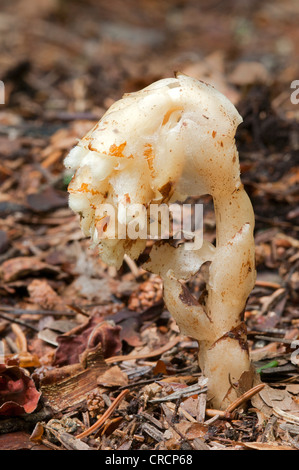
169,141
151,147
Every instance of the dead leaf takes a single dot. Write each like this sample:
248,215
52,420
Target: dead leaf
19,440
18,394
97,290
37,433
293,389
246,381
248,73
111,425
113,377
191,406
41,293
270,398
129,333
93,332
196,430
265,446
160,368
46,200
16,268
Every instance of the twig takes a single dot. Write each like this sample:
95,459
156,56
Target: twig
201,403
19,322
269,432
292,428
105,416
132,265
290,418
276,223
21,338
22,311
153,432
141,383
217,414
158,352
271,285
185,392
68,441
153,420
174,427
245,397
228,413
294,442
273,339
180,411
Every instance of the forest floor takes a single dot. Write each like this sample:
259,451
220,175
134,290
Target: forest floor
92,357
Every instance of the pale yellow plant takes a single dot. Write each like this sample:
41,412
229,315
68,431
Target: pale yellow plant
169,141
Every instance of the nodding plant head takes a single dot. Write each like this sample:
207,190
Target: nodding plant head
169,141
151,147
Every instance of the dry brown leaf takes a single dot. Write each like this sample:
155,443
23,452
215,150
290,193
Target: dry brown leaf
46,200
160,368
88,335
293,389
196,430
16,268
266,446
18,394
248,73
111,425
41,293
269,398
113,377
19,440
190,405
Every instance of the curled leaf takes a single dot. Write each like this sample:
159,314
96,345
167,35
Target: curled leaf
72,344
18,394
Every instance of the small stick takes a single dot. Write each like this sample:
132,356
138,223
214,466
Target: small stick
217,414
19,322
132,265
227,414
158,352
290,418
51,159
21,311
105,416
21,338
245,397
120,433
271,285
274,340
174,427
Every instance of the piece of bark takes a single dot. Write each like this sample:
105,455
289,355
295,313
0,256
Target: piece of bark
67,387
